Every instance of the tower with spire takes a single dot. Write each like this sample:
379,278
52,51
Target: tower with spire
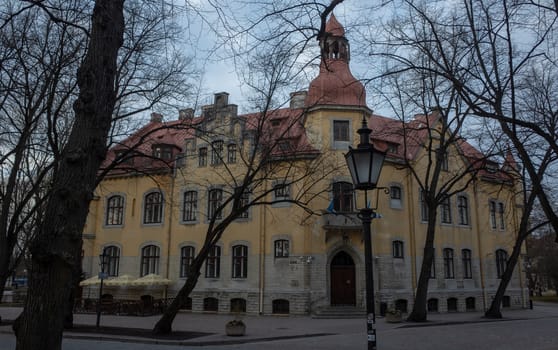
335,84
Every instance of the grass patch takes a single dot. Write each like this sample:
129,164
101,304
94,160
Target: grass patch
547,298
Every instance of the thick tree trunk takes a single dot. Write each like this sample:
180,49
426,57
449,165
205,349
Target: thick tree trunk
494,309
58,238
164,325
5,273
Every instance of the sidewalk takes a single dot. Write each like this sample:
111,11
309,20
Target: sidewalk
263,328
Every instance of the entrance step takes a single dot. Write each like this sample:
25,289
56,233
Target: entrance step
339,312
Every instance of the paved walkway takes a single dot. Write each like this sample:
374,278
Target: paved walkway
269,328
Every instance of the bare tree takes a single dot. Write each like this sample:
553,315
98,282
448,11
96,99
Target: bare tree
38,57
486,50
42,44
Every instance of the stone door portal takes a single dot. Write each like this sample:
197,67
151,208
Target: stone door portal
343,289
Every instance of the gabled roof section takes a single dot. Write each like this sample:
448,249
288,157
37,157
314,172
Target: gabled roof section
283,131
404,140
136,153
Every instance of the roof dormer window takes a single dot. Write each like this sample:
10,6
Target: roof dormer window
162,152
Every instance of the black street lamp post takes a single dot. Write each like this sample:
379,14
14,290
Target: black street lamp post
103,261
365,164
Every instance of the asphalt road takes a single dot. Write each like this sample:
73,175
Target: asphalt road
539,333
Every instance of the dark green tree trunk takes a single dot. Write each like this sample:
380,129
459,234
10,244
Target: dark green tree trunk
58,239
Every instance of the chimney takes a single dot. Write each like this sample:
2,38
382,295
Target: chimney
156,117
297,99
221,99
186,114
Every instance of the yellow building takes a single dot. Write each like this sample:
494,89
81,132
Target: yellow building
152,211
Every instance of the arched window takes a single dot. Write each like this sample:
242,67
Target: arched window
238,305
281,248
448,263
452,304
186,258
445,211
470,304
115,210
343,197
215,201
213,263
231,153
190,206
501,260
211,304
187,304
149,260
113,259
433,305
401,305
216,152
398,249
395,195
239,261
153,208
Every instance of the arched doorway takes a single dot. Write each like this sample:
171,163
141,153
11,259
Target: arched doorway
343,289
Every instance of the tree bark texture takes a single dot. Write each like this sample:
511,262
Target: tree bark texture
494,311
58,240
164,325
419,312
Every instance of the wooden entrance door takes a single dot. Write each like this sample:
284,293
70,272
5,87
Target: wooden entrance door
343,289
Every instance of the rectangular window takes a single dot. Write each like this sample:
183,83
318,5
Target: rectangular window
190,206
240,261
162,152
115,210
343,197
202,157
501,215
463,210
446,211
397,249
341,130
466,260
231,153
216,152
281,248
186,258
395,197
282,191
445,162
153,208
448,264
213,263
492,209
214,204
